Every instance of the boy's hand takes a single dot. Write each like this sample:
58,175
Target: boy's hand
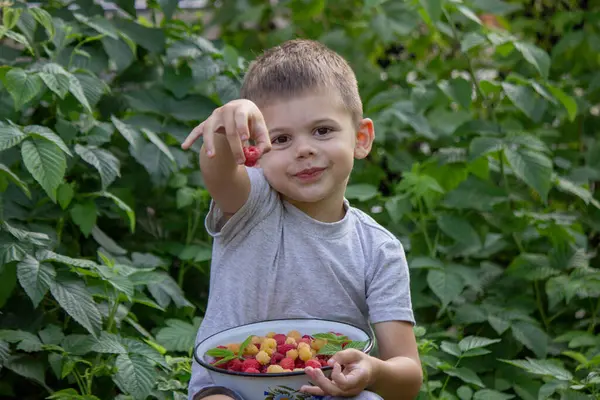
239,120
357,375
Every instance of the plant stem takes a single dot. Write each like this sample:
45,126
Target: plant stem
507,190
540,306
448,376
113,312
181,275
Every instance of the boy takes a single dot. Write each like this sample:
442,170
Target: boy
286,241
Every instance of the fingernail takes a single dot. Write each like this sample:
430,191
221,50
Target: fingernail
209,153
330,361
244,137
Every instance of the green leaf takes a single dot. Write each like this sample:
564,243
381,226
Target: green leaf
433,8
4,352
108,343
459,229
451,348
35,278
531,267
23,236
464,392
475,342
58,83
446,285
459,90
535,56
76,90
361,191
46,163
490,394
122,205
64,195
153,137
99,24
531,336
178,335
567,101
27,341
85,215
15,179
481,146
135,375
27,367
185,197
104,161
167,290
466,375
46,133
533,168
47,255
168,7
119,52
524,98
548,368
129,133
106,242
22,86
10,135
584,194
74,298
10,17
467,12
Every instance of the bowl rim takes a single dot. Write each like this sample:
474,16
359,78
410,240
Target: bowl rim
206,365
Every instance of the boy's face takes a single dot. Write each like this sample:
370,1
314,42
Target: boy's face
314,142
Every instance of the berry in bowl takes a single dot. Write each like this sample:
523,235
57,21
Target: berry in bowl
266,360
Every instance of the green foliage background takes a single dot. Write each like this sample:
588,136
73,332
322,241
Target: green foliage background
486,166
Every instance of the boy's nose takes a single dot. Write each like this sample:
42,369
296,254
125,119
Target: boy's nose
304,148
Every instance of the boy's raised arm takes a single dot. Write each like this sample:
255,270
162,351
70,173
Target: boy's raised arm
222,156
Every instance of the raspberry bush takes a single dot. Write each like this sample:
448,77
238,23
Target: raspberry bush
486,165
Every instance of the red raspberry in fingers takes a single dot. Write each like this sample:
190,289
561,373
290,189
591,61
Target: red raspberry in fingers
252,154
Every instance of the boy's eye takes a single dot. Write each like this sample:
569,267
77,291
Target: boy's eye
323,131
279,140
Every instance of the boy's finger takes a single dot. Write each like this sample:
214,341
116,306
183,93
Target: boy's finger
209,137
234,136
194,134
260,133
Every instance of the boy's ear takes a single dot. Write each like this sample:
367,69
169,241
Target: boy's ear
364,138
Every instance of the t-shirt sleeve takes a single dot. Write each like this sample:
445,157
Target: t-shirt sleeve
260,202
388,285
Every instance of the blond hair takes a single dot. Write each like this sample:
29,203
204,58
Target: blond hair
297,66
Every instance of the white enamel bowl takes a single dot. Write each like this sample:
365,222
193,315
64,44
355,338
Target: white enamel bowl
282,386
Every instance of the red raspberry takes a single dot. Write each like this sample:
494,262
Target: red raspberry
305,340
284,348
313,363
250,363
287,363
252,154
323,362
252,371
235,365
276,357
280,339
221,347
299,363
307,337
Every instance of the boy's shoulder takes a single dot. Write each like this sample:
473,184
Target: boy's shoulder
371,232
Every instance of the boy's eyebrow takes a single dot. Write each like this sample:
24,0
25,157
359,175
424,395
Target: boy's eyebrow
310,123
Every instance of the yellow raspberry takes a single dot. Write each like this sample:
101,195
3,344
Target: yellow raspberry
256,340
235,347
303,345
290,340
263,358
298,369
269,342
269,350
287,370
305,354
271,334
317,344
293,354
251,350
295,334
274,369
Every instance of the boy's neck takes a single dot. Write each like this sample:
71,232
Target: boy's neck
327,210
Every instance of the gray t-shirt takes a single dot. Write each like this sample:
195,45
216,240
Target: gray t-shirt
270,260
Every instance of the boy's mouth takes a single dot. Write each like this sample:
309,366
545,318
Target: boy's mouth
309,173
